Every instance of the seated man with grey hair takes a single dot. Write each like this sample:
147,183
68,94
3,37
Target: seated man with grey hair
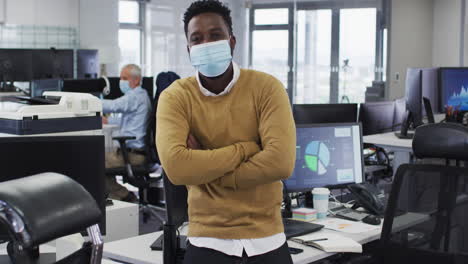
135,107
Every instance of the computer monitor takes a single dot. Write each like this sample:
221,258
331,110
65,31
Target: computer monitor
16,65
324,113
92,86
52,63
398,116
87,64
40,86
78,157
454,88
413,96
428,110
430,88
327,155
376,117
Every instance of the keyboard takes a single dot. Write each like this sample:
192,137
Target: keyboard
293,228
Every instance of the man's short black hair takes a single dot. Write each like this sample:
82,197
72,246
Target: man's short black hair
208,6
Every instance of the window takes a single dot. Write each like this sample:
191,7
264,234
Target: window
167,47
322,51
357,53
129,12
131,32
270,53
130,46
270,43
278,16
313,57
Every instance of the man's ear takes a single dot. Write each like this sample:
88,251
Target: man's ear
232,43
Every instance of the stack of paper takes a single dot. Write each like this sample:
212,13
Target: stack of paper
305,214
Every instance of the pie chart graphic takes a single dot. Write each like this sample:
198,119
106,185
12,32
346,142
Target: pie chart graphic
317,157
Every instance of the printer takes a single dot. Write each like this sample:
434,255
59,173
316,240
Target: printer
54,112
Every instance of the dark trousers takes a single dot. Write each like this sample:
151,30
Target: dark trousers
197,255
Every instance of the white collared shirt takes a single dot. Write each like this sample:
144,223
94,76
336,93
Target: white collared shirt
235,247
228,88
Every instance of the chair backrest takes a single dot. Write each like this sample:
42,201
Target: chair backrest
163,80
428,204
442,140
429,215
48,206
399,114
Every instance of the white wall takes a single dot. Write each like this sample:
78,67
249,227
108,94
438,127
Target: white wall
99,29
446,43
411,39
42,12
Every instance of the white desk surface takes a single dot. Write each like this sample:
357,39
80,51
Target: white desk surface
107,261
389,140
137,250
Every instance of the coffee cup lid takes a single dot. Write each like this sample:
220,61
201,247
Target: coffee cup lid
320,191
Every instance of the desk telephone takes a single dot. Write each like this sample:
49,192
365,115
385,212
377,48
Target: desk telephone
368,196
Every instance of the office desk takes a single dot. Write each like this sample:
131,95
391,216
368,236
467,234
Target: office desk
136,250
402,148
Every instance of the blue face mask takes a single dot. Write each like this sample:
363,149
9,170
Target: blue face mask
124,86
211,59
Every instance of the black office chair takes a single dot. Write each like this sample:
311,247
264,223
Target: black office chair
149,188
139,175
437,195
44,207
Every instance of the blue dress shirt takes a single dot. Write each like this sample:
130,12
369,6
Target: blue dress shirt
135,107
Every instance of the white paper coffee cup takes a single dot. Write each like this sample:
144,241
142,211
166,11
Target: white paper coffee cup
320,197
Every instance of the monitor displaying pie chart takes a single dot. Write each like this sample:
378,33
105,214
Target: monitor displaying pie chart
317,157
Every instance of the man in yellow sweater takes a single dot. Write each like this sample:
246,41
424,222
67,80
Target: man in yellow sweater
227,134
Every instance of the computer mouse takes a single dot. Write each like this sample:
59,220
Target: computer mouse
371,220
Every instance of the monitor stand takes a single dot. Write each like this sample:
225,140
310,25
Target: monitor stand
158,243
407,136
309,200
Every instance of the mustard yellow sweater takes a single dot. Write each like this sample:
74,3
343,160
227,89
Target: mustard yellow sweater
249,146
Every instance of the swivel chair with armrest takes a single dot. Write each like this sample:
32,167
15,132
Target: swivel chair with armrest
139,175
44,207
436,194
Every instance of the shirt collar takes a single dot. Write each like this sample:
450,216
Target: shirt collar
134,89
228,88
